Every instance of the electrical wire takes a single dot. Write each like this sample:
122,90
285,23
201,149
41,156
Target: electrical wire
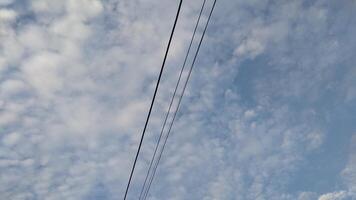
179,102
172,100
153,99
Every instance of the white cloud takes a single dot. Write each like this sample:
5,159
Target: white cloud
79,99
334,196
260,35
307,196
7,15
43,73
7,117
315,139
88,70
250,114
10,87
11,139
84,8
6,2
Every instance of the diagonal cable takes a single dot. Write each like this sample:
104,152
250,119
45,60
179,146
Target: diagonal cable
153,99
179,102
172,100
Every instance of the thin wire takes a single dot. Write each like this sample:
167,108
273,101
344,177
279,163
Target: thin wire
172,100
153,99
179,102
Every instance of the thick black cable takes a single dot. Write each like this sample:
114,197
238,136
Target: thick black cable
172,100
179,102
153,99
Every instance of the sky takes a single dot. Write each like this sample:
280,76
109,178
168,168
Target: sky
269,112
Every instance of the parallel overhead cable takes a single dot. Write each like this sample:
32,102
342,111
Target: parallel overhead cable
153,99
179,102
171,103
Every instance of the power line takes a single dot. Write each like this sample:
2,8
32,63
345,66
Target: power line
179,102
172,100
153,99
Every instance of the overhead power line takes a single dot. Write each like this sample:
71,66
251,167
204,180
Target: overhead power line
153,99
179,102
143,191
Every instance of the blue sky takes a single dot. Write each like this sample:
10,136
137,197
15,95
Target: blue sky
269,112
